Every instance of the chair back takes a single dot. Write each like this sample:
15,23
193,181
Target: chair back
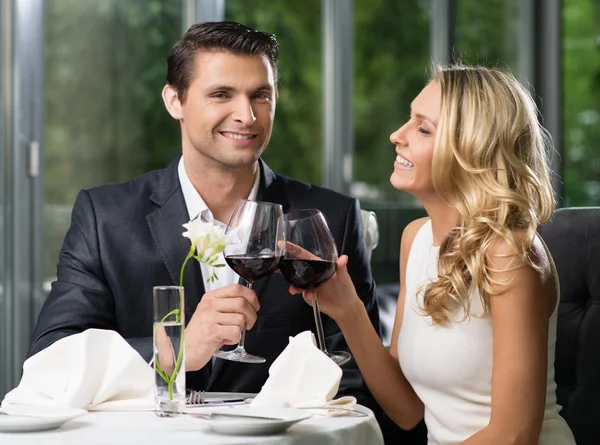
573,238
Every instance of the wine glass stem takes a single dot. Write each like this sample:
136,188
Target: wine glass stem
319,324
243,337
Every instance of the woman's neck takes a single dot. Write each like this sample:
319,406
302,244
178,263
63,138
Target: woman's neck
443,217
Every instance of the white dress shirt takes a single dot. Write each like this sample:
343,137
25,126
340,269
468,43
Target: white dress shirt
196,206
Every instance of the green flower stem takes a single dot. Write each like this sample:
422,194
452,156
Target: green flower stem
171,379
173,312
187,258
160,372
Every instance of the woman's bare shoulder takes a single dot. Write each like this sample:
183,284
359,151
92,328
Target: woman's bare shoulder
410,231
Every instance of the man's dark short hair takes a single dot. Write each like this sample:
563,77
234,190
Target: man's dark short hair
229,37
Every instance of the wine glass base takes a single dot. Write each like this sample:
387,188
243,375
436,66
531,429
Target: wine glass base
339,357
239,355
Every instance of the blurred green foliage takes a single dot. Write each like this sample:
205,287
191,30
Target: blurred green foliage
486,33
104,72
581,102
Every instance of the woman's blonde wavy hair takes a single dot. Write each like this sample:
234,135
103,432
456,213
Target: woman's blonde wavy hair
490,162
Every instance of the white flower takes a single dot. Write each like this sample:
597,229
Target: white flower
196,230
209,239
204,234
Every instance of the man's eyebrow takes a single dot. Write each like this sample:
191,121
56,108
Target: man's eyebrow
220,87
266,86
229,88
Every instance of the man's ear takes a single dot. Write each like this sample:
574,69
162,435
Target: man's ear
172,102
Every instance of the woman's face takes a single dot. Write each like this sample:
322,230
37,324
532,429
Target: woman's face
414,143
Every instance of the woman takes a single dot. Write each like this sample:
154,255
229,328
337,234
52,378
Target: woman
473,342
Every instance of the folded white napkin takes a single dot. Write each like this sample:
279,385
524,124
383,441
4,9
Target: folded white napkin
302,376
94,370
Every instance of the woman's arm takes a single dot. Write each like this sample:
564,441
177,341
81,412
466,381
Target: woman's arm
520,316
380,368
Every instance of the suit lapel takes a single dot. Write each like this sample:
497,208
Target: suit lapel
165,224
272,187
270,190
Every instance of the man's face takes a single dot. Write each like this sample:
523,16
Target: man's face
228,113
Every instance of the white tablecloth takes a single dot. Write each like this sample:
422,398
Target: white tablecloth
145,428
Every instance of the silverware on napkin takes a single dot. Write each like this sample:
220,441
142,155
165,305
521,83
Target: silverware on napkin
229,416
219,402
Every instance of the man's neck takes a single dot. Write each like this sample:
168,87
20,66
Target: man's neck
220,188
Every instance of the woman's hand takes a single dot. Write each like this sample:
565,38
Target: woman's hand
337,297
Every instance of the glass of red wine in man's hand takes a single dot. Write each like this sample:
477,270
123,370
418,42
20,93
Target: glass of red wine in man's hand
255,244
309,260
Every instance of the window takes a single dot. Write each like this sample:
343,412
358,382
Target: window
486,33
105,66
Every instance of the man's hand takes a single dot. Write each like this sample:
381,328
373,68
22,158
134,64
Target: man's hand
217,321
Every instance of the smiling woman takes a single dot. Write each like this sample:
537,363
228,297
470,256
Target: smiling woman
473,343
415,142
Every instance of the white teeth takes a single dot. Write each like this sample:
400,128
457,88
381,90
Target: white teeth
404,161
238,136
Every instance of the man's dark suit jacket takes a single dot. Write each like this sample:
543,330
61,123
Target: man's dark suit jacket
126,238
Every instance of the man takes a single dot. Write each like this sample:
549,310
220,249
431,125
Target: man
126,238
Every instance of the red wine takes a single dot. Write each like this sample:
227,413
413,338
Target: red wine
306,274
253,267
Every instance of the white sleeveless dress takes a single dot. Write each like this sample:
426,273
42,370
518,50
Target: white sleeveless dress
450,366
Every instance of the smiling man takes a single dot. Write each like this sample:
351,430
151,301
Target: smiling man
126,238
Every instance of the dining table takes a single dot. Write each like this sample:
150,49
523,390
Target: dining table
356,426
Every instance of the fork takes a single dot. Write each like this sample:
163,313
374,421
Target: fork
195,397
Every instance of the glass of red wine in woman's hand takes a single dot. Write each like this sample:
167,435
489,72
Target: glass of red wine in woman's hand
309,260
255,243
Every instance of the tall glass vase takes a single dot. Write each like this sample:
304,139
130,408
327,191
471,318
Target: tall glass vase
169,350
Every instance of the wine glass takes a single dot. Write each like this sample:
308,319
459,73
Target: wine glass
255,244
309,260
